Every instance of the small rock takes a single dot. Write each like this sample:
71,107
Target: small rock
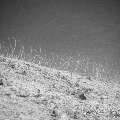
1,82
82,97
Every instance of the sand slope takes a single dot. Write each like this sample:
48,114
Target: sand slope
32,92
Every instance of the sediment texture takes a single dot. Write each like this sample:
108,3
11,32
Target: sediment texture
32,92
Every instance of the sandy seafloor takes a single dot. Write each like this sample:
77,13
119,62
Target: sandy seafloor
29,91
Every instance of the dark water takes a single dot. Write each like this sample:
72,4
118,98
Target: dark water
88,27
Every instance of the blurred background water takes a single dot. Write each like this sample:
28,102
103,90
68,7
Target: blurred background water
65,27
